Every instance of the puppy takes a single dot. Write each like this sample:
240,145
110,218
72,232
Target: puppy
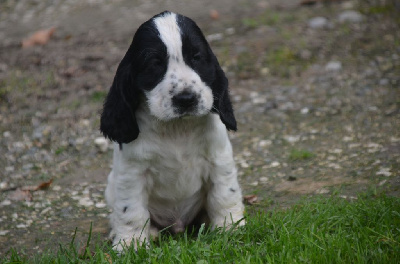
168,112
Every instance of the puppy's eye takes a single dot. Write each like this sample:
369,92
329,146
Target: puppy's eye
197,56
153,64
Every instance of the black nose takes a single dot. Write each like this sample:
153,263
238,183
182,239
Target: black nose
185,100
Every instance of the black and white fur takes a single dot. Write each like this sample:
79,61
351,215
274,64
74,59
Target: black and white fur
168,110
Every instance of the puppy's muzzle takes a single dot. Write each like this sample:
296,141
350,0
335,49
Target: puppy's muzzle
185,102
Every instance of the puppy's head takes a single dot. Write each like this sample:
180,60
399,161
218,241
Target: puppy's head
172,65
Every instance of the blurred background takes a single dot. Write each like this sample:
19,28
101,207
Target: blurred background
315,86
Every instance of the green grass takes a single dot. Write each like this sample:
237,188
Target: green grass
322,230
98,96
300,154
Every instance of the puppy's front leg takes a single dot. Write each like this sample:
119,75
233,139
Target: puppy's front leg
224,199
127,196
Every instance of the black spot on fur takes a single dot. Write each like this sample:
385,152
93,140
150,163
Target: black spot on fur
125,208
232,190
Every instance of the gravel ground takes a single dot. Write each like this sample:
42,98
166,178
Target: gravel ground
315,88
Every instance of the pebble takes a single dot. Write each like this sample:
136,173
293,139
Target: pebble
384,172
215,37
100,205
275,164
333,66
255,183
305,110
291,139
5,203
382,182
6,134
3,185
86,201
350,16
263,179
4,232
101,143
318,22
265,143
45,210
322,191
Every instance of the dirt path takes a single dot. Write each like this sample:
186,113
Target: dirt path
316,93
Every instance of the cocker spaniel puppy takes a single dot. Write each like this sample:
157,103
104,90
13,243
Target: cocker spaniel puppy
168,112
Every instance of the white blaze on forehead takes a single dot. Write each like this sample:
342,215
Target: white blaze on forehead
170,34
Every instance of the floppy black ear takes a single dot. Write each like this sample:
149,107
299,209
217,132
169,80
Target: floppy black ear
118,121
222,103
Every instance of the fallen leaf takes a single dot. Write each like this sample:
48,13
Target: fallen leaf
20,195
214,14
42,186
250,199
40,37
108,258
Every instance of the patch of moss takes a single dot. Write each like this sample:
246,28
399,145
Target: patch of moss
300,154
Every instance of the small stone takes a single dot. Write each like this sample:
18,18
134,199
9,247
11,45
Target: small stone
255,183
3,185
244,164
21,226
318,22
85,201
305,110
85,122
275,164
347,139
45,210
384,172
230,31
100,205
101,143
263,179
4,232
265,143
259,100
383,82
9,168
322,191
336,151
56,188
333,66
350,16
5,203
382,182
6,134
334,166
215,37
264,71
292,139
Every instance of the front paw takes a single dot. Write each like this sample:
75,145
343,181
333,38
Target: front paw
121,243
228,222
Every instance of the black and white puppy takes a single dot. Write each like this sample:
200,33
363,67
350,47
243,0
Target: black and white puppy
168,110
